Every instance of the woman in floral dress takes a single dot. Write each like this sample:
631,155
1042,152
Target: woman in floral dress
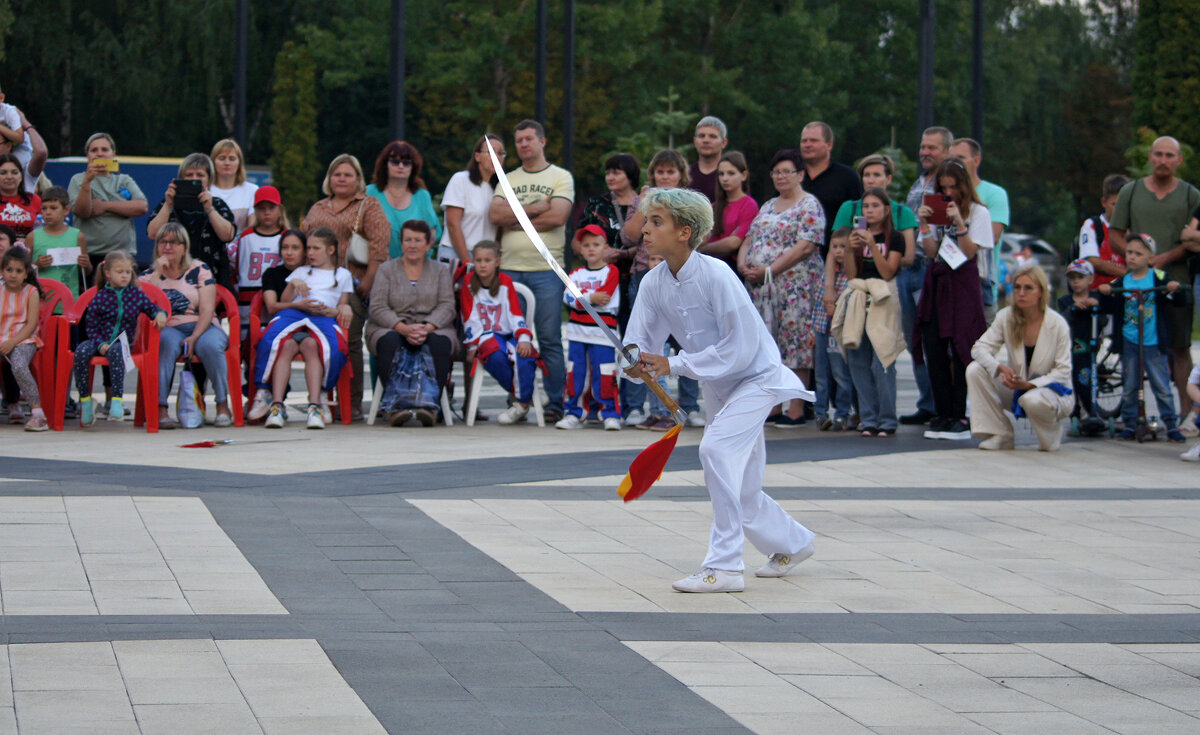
785,237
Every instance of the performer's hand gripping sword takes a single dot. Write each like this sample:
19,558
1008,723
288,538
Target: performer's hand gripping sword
629,355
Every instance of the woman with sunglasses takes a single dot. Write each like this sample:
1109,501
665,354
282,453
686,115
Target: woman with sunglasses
950,313
401,191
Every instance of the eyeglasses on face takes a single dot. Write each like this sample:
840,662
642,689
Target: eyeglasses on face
400,161
783,172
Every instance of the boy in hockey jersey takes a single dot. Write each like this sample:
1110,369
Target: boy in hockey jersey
257,249
589,351
725,345
494,329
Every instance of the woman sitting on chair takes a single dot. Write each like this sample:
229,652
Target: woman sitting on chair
495,329
412,307
1036,381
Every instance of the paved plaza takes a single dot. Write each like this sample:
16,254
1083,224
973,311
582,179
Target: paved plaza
488,580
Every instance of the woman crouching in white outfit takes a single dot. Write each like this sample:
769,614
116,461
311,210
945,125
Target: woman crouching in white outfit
1038,341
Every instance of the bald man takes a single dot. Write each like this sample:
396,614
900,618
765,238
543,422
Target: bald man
1161,205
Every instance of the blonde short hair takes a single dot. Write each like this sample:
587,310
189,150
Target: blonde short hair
687,209
354,164
224,146
181,234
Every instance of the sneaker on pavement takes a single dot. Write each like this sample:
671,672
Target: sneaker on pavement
102,409
87,412
936,426
696,420
997,442
957,430
1175,435
635,417
664,423
221,421
1126,434
261,405
781,564
513,414
315,419
116,410
711,580
921,416
276,416
612,424
570,421
326,411
650,424
15,414
36,423
783,421
1191,455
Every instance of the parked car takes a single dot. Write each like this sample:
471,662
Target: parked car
1012,243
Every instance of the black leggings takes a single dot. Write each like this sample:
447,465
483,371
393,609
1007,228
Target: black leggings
947,373
439,347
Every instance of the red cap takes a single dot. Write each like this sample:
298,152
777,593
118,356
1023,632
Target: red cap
590,230
267,194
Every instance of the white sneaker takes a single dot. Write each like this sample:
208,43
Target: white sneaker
997,442
276,416
1191,455
326,411
570,421
635,417
513,414
696,420
711,580
315,420
782,564
261,405
612,424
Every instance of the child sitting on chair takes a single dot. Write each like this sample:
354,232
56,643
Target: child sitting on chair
313,324
495,330
112,313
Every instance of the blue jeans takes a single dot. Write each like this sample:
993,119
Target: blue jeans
876,387
1158,372
833,378
908,283
547,321
210,348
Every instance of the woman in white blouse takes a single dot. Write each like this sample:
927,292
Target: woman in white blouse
466,201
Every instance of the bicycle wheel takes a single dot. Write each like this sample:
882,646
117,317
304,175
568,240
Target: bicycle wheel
1109,381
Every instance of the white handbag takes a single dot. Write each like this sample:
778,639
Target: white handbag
359,250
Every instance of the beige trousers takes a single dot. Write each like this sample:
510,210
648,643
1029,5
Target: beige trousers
991,401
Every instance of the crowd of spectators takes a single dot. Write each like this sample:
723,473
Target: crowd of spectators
845,277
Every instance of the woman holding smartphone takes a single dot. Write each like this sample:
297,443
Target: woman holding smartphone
105,201
876,250
876,170
208,219
950,313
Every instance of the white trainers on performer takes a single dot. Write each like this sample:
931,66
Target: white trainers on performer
782,564
696,420
711,580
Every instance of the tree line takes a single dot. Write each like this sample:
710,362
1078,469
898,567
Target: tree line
1071,88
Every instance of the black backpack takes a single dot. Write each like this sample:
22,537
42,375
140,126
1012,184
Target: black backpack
1097,226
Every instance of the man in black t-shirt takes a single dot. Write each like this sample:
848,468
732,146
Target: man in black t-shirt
710,141
832,183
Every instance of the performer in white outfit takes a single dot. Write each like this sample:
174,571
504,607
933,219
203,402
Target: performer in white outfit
1040,372
725,345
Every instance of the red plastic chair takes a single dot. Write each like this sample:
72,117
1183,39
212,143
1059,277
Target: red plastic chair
233,354
52,328
145,356
256,332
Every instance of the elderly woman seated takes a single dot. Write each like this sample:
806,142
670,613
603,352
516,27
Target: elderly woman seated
1036,381
412,308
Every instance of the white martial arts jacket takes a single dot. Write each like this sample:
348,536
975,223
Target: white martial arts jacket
723,338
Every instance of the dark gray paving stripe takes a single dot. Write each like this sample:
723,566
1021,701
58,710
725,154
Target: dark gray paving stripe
900,627
55,628
437,637
428,475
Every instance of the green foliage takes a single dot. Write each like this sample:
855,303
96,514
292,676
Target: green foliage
294,128
1166,69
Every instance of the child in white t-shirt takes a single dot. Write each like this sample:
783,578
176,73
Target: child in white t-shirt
313,324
